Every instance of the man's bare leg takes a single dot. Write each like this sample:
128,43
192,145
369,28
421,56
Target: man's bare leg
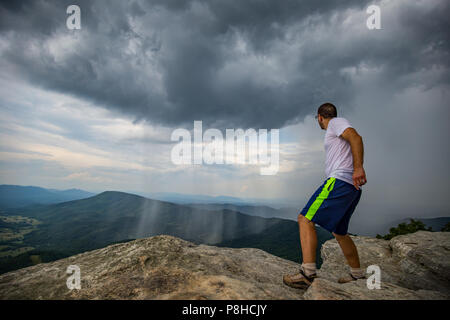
349,249
308,239
351,254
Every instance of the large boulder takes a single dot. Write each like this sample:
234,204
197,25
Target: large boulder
413,266
424,260
160,267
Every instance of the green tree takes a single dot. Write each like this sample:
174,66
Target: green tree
405,228
446,228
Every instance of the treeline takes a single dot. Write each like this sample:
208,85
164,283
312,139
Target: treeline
411,227
30,258
36,256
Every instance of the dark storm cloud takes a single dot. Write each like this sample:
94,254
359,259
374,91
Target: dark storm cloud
172,62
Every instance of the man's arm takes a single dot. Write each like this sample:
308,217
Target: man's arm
356,144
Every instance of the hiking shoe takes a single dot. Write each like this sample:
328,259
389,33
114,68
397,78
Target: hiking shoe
299,280
349,278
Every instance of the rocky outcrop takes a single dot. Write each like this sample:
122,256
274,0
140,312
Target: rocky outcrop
414,266
323,289
160,267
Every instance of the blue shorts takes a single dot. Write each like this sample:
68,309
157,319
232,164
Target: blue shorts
332,205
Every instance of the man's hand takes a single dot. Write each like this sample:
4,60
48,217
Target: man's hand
359,177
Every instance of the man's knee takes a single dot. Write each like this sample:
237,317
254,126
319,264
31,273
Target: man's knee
302,220
340,237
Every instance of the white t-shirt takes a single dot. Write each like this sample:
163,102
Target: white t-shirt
339,159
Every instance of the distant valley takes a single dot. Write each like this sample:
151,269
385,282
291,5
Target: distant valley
39,233
32,230
253,210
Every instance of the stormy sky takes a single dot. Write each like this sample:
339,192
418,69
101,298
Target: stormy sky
95,108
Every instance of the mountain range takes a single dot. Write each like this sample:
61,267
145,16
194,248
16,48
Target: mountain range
13,196
49,231
33,231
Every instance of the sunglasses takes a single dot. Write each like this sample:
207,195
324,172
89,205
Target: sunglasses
317,116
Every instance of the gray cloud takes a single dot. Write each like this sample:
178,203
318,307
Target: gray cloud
172,62
229,63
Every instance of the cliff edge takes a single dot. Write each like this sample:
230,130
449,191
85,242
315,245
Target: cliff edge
414,266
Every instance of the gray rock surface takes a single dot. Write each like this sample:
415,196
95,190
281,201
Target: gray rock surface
414,266
323,289
160,267
424,260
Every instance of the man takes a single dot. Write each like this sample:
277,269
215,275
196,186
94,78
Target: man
332,205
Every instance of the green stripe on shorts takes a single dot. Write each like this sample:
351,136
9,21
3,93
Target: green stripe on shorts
327,188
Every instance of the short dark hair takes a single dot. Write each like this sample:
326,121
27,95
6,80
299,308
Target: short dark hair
327,110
